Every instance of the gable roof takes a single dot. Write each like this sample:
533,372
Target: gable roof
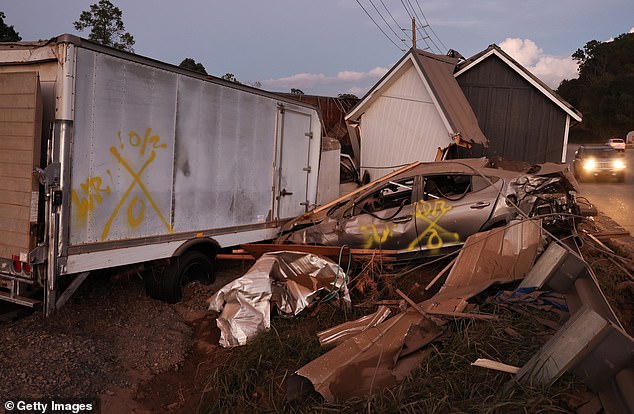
436,74
495,50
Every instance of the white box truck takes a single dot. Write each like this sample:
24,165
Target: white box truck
112,159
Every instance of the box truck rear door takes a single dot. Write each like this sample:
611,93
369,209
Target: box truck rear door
294,140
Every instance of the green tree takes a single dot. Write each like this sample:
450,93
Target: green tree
230,77
604,90
296,91
7,33
106,26
191,64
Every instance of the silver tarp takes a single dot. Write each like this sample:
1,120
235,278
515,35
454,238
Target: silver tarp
290,281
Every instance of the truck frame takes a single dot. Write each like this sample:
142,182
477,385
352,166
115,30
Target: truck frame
111,159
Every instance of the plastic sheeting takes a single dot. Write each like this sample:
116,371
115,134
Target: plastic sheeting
290,281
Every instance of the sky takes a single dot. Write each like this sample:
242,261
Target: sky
329,47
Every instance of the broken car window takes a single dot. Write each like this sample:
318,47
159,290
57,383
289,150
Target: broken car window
392,194
454,186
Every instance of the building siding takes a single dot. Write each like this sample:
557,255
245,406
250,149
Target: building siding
520,122
402,124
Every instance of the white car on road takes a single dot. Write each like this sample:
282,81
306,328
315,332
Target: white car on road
617,144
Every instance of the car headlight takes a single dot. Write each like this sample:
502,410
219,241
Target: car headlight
589,165
618,164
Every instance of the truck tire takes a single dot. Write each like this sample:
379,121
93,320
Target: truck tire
168,286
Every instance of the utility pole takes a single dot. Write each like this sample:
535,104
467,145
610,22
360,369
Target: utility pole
414,32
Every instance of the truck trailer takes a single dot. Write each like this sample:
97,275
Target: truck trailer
111,159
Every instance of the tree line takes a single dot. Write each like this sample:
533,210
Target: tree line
604,90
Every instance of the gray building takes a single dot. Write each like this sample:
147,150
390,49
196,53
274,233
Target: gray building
520,115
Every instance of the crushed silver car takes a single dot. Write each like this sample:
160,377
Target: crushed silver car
429,207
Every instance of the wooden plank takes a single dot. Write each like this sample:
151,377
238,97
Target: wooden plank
233,256
441,273
18,129
411,302
17,101
465,315
15,184
608,235
20,135
15,198
16,226
17,115
14,212
15,143
13,170
332,252
498,366
16,157
10,238
18,83
8,251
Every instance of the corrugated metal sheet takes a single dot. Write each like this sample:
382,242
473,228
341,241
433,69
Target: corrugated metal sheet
439,70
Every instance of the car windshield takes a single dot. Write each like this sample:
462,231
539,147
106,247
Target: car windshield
600,152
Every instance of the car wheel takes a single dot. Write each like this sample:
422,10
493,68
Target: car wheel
167,285
620,178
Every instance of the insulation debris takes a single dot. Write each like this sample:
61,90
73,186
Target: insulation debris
289,281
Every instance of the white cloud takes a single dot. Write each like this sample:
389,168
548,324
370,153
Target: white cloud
550,69
631,30
348,81
525,51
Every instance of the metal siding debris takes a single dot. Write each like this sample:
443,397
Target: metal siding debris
502,255
337,334
371,360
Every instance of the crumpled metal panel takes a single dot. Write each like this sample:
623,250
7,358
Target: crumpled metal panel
374,359
290,281
334,336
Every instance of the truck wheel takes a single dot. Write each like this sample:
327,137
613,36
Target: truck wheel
181,270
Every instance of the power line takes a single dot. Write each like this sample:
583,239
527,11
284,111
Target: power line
445,48
387,24
393,19
422,27
412,17
377,25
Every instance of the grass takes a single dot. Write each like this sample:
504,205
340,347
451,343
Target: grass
253,378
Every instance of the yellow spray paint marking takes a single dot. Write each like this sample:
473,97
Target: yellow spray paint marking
136,140
92,189
373,237
134,220
431,214
91,194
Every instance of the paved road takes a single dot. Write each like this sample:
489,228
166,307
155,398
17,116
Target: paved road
616,200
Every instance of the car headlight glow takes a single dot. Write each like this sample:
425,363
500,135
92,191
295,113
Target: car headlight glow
618,164
589,165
